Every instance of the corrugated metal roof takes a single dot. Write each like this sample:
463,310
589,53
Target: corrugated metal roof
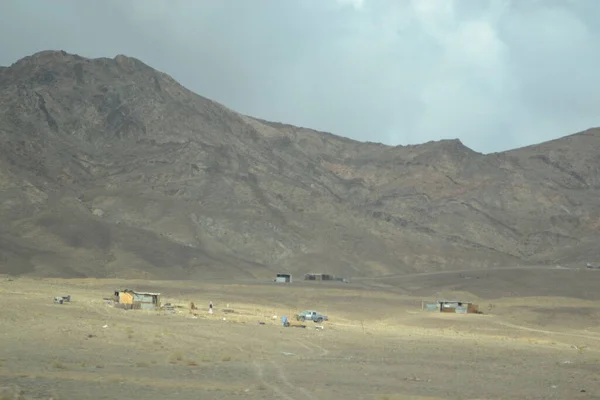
142,293
452,301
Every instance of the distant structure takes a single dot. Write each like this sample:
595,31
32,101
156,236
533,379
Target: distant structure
323,277
451,306
283,278
132,300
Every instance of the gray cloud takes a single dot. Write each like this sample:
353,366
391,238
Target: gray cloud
497,74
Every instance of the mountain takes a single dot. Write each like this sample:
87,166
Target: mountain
109,168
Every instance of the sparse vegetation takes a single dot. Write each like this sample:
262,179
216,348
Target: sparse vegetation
12,393
203,357
176,357
58,364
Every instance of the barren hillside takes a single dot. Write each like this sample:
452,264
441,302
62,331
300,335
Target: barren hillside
109,168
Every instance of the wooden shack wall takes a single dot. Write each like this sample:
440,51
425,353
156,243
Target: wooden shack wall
146,301
125,298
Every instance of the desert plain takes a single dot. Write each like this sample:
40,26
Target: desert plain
538,338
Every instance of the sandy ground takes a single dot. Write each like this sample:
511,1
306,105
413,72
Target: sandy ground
377,345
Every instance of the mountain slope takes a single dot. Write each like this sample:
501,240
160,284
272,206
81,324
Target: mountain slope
110,168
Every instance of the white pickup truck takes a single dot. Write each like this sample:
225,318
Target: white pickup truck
311,315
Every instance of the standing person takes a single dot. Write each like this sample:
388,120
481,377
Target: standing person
210,308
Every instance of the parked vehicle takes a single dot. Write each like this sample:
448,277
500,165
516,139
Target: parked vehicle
311,316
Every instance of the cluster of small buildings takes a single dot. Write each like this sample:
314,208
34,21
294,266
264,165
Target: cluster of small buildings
287,278
319,277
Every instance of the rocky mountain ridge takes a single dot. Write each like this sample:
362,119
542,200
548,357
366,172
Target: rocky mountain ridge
109,168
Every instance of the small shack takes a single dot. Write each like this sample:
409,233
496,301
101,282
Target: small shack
451,306
316,277
283,278
132,300
323,277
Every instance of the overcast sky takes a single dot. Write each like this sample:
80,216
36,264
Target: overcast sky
496,74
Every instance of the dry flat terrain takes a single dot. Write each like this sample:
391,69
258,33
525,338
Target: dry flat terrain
111,169
378,345
116,176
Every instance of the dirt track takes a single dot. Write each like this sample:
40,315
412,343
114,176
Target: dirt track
397,352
